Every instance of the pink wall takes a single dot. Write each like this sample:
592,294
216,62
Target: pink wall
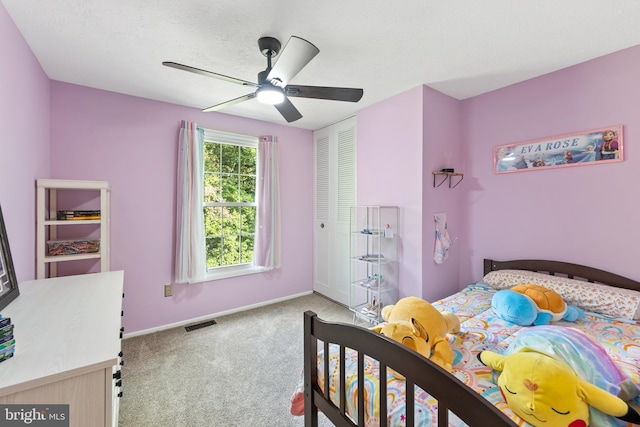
401,140
390,173
24,120
587,215
442,149
132,143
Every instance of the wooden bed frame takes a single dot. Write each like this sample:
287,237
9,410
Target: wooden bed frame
451,393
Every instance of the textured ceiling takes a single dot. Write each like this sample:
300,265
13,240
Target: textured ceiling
461,47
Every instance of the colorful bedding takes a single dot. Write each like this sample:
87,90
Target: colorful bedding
481,330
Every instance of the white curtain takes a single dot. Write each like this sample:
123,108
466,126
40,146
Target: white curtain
266,251
191,263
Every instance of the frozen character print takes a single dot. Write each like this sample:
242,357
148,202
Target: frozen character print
610,146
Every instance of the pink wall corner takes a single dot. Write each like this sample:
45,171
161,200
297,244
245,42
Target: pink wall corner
24,120
442,149
586,215
390,173
132,143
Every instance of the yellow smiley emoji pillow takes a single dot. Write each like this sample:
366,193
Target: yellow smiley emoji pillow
544,389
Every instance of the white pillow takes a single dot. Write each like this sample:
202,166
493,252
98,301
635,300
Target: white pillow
594,297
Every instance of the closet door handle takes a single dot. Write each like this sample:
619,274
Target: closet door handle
322,225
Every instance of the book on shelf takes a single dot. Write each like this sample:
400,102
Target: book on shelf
78,215
83,218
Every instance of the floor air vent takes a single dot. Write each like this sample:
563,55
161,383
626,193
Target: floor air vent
199,325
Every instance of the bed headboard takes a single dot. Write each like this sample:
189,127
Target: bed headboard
563,269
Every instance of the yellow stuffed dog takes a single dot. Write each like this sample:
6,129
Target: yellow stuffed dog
418,325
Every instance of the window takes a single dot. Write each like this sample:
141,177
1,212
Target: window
228,206
229,201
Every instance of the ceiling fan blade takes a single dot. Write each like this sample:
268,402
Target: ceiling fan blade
230,102
320,92
288,110
208,73
293,58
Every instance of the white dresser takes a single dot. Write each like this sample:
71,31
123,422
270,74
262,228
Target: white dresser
67,332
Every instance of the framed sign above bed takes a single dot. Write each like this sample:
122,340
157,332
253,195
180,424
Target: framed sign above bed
596,146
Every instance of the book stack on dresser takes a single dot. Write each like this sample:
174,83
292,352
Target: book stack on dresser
7,342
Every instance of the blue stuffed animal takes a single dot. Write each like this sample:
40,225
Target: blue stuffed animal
530,304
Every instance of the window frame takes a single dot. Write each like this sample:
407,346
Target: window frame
221,137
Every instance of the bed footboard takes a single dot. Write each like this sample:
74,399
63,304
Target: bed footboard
451,393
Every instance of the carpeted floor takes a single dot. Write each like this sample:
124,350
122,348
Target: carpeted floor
240,372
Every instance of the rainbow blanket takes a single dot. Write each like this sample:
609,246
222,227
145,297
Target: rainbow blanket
588,360
615,364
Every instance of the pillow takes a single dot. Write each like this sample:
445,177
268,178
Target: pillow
593,297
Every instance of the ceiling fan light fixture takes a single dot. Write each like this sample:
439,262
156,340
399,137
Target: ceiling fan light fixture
271,95
272,85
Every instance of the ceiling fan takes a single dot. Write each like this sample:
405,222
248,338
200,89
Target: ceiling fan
273,83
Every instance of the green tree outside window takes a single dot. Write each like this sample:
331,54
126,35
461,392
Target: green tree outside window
229,204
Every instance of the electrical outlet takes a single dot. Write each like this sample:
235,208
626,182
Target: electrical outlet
167,290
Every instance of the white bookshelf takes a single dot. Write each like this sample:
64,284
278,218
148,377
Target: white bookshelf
48,226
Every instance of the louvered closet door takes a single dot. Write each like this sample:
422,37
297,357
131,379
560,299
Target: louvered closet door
334,194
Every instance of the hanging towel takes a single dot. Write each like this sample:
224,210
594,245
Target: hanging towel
443,241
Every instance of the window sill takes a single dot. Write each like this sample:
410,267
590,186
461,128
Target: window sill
227,272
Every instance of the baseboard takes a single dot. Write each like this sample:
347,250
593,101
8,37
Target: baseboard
210,316
330,299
